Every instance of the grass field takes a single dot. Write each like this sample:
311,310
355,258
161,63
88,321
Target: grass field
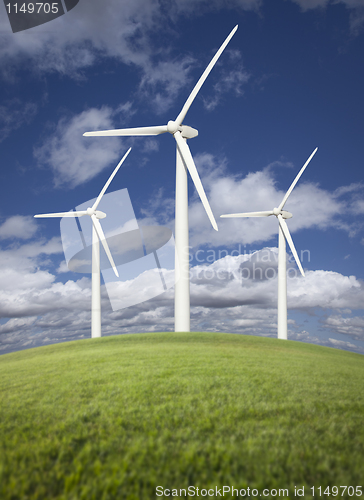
113,418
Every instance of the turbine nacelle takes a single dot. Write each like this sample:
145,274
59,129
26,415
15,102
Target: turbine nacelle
99,215
186,131
283,213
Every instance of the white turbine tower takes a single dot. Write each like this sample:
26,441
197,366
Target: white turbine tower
97,236
184,162
283,236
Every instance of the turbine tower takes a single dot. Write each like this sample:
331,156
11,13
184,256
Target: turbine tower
97,236
283,236
184,162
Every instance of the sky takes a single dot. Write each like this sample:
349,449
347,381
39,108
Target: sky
290,80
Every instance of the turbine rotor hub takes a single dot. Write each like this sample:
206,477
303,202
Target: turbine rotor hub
276,211
99,215
172,127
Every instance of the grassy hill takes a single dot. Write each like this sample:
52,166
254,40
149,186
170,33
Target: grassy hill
113,418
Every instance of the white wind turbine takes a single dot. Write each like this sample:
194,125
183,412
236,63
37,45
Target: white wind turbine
283,236
97,236
184,162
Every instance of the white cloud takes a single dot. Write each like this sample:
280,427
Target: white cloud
17,324
164,80
356,7
357,20
312,206
18,226
342,344
75,159
311,4
150,146
326,289
78,39
251,279
236,294
231,79
304,336
27,257
352,326
314,4
97,29
196,7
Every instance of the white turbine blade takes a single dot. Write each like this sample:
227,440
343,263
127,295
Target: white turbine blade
186,155
96,204
250,214
203,77
129,131
285,198
100,234
63,214
287,235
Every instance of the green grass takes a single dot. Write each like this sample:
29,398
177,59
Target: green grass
114,418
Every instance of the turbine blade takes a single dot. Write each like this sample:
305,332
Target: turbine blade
100,234
96,204
63,214
287,235
186,155
129,131
285,198
250,214
203,77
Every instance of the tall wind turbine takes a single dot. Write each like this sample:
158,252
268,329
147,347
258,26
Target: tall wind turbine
283,236
97,236
184,162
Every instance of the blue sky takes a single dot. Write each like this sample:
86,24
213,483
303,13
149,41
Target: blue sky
290,79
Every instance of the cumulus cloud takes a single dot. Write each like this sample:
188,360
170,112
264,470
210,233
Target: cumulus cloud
78,39
17,324
29,289
355,6
311,205
251,279
75,159
231,80
314,4
164,80
236,294
311,4
23,277
188,7
95,30
304,336
18,226
352,326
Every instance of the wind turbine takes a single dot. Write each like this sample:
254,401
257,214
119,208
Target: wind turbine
283,236
184,162
97,236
